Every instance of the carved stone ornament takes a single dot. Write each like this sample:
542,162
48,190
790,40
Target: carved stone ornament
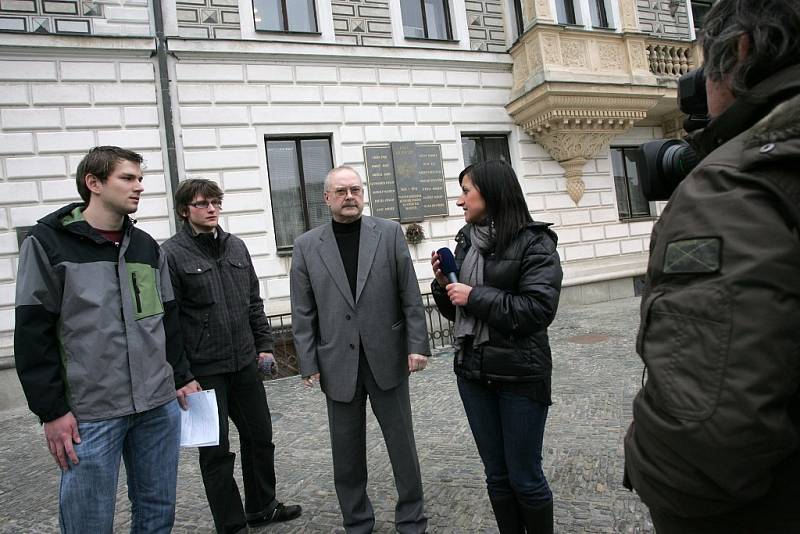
575,128
628,15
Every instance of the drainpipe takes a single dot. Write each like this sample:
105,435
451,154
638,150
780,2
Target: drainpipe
166,97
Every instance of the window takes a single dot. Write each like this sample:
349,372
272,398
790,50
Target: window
565,11
599,13
285,15
699,10
479,148
426,19
519,24
630,199
297,169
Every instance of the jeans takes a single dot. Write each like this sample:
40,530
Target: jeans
240,396
508,429
149,444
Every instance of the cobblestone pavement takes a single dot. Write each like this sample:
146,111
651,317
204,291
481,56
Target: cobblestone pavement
596,374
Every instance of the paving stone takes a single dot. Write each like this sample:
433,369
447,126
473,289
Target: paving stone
593,386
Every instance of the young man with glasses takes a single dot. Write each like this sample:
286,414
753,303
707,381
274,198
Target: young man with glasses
227,337
359,330
98,350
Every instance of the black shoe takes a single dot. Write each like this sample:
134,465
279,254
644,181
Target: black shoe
280,513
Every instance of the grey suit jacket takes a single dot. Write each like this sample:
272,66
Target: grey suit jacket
387,314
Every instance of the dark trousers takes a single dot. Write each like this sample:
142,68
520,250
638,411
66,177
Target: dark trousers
241,397
508,429
347,421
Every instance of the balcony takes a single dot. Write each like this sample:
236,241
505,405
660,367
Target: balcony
576,89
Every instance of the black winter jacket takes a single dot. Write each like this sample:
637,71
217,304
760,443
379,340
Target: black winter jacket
518,301
221,312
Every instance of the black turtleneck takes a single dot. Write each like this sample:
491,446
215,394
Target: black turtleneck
347,238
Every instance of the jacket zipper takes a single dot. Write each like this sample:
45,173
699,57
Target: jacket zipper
136,293
202,333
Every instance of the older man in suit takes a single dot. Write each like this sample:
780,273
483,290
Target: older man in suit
359,329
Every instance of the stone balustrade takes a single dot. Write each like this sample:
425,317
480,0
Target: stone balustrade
671,58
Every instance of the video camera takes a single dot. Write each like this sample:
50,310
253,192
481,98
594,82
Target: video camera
663,163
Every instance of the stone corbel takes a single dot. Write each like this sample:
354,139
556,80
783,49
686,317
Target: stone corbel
574,142
574,128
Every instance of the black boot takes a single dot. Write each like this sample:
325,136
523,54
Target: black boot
507,514
538,520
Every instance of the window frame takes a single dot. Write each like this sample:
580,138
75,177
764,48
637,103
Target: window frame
651,208
481,137
569,9
297,139
697,24
285,14
602,15
519,23
447,21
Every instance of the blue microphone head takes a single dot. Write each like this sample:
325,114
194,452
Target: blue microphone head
447,261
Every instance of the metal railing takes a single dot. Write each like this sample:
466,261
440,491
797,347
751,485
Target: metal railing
440,335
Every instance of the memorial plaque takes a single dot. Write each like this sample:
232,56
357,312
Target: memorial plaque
409,189
381,181
431,179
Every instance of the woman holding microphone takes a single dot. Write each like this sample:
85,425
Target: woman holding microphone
506,295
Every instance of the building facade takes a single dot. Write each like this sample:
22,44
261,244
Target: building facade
264,96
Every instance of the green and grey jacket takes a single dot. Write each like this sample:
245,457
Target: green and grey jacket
97,329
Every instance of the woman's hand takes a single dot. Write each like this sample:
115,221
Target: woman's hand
437,269
459,293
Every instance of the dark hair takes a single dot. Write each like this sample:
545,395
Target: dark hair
100,162
772,27
497,183
190,188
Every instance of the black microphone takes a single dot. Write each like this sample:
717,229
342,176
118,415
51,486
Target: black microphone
447,263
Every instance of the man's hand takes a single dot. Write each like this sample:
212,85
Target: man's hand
267,365
417,362
188,389
308,381
60,433
458,293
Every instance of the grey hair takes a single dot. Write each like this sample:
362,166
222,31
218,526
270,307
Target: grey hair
333,171
771,26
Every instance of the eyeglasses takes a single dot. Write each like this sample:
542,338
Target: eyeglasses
355,190
203,204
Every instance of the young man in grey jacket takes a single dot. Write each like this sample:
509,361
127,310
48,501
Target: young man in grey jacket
227,336
98,350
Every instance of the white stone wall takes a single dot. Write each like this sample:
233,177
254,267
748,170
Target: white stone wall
87,17
52,111
227,108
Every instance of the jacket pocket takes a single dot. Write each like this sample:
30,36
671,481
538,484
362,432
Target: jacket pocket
197,282
684,341
144,290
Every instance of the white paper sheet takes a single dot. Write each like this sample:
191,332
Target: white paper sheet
200,423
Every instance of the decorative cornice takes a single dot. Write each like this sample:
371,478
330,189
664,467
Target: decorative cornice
574,128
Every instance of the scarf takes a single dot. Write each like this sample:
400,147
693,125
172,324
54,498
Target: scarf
471,274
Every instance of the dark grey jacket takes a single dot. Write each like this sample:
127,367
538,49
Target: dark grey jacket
386,316
716,427
221,312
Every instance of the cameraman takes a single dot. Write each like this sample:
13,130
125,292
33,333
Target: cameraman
715,441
